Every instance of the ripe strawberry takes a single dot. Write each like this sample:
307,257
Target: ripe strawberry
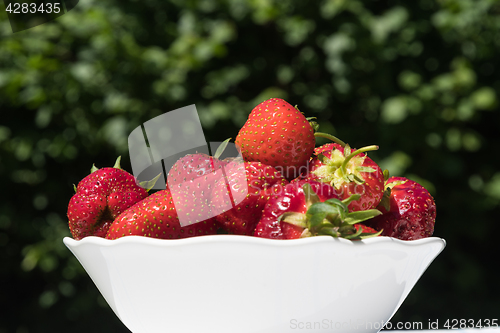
193,166
100,198
350,171
309,208
196,165
328,147
272,192
411,214
191,180
365,229
156,216
277,134
244,183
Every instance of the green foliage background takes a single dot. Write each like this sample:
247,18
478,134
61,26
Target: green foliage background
418,78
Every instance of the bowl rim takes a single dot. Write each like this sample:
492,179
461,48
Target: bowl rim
226,238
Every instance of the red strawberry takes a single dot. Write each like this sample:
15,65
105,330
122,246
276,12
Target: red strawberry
411,214
365,229
240,196
350,171
156,216
196,165
309,208
100,198
277,134
328,147
193,166
271,192
191,181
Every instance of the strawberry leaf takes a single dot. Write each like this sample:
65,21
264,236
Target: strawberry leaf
353,197
294,218
310,195
347,150
386,175
341,208
350,155
318,213
221,148
117,163
149,184
314,125
306,233
386,199
354,235
360,216
357,179
337,202
330,231
365,169
93,169
366,235
323,158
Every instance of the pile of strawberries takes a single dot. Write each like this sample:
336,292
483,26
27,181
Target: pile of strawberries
283,188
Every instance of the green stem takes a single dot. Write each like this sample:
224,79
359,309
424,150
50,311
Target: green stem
343,168
329,137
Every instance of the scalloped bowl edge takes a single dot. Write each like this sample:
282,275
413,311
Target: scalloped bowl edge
247,284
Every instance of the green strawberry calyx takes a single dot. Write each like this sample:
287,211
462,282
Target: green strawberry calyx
330,217
147,184
93,169
386,198
221,148
116,166
344,167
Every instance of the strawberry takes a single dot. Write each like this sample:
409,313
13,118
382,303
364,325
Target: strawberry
365,229
308,208
350,171
156,216
277,134
100,198
193,166
328,147
196,165
409,211
271,192
191,180
242,208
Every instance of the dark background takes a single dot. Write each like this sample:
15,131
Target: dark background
418,78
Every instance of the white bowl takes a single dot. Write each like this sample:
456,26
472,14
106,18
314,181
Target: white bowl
243,284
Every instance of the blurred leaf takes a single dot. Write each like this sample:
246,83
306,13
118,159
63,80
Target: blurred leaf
492,187
394,110
484,98
390,21
396,163
411,77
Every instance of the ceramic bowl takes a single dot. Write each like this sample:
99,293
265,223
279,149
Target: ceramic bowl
242,284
